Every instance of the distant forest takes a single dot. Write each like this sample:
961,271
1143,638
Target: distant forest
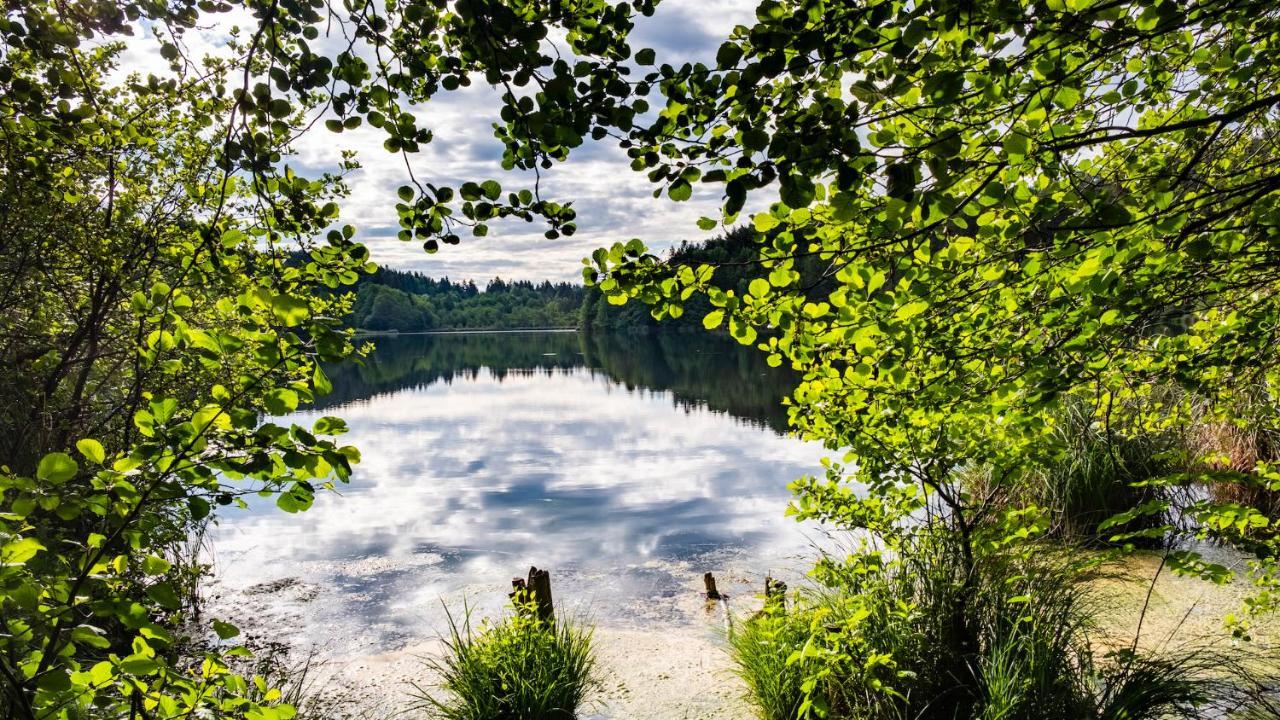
395,300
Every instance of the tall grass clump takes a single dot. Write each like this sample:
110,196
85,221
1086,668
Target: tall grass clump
919,638
519,667
1098,473
761,650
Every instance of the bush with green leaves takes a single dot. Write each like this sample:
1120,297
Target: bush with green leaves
1018,207
519,667
1095,474
918,639
173,279
150,324
984,207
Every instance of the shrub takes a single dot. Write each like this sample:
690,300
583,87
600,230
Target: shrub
917,639
517,668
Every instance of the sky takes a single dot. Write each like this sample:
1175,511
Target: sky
613,203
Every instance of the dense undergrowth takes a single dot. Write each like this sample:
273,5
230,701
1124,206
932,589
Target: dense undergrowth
1016,640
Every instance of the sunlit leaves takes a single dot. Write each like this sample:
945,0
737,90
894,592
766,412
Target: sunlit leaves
281,400
92,450
57,468
201,288
225,630
981,221
17,552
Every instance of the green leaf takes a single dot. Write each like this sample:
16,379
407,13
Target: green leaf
742,331
139,665
54,680
225,630
764,222
320,381
89,636
199,507
759,287
165,596
797,191
680,190
155,565
290,310
1016,144
18,552
232,238
911,309
712,320
281,401
329,426
92,450
57,468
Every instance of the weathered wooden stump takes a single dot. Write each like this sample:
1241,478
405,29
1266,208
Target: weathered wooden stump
709,581
534,591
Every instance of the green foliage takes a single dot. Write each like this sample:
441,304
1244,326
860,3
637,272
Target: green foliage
920,639
517,668
149,322
988,211
732,258
170,280
761,648
1019,209
1095,476
408,302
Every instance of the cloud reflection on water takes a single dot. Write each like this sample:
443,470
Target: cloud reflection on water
468,481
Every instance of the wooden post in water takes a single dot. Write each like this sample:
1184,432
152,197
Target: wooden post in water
709,581
540,587
536,591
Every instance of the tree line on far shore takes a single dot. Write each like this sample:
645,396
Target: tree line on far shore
392,300
396,300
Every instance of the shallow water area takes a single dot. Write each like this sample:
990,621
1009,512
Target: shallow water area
625,466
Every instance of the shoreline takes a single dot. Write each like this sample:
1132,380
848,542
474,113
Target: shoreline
678,667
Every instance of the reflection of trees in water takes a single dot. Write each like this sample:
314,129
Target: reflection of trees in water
698,370
412,361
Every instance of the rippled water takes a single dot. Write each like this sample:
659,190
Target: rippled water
627,466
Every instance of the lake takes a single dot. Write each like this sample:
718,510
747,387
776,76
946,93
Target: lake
627,466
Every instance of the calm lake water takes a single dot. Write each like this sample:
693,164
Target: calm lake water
625,465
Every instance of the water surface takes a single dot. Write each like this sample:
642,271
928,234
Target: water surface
625,465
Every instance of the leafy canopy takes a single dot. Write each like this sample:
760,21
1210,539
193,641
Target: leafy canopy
1009,203
1013,204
